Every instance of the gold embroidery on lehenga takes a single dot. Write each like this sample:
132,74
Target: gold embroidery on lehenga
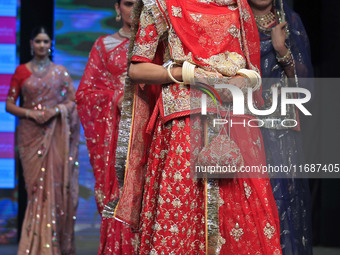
220,242
146,50
178,177
135,242
176,11
176,46
146,18
226,63
245,15
269,231
234,31
218,2
99,195
196,17
258,142
220,201
233,7
174,229
237,232
247,190
172,104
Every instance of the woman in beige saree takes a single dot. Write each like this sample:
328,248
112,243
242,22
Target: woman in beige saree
47,138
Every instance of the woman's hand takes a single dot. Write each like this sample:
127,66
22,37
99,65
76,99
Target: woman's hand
50,113
207,77
215,78
278,35
238,81
150,73
42,116
36,115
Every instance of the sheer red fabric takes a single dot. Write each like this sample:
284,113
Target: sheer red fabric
97,98
208,36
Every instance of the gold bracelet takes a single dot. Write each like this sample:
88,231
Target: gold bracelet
170,75
286,58
27,113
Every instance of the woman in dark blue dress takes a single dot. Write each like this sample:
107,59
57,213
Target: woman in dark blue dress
285,61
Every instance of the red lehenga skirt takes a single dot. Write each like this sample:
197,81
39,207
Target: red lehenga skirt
173,216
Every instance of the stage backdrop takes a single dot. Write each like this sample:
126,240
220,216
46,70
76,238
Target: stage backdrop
78,23
8,62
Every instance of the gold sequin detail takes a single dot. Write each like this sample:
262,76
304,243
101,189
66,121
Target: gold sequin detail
247,190
237,232
176,11
269,231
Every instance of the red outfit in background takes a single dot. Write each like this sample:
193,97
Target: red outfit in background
97,98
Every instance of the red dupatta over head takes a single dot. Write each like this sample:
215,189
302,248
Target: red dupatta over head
198,40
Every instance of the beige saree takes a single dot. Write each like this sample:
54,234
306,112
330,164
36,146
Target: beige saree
48,154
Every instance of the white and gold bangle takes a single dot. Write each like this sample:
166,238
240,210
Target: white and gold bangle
188,73
170,75
253,76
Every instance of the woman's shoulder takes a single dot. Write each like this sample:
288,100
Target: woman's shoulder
23,70
22,67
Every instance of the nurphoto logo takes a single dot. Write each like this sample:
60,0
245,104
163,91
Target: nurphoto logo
239,106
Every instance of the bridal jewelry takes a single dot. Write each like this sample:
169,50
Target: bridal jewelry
122,33
40,66
118,17
265,22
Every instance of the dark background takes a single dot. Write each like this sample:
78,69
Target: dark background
321,132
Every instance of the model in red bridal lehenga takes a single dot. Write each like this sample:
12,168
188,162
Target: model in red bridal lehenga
178,214
99,97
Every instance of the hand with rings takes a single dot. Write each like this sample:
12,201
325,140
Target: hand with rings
42,116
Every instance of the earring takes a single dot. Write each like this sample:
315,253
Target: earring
118,17
49,52
32,51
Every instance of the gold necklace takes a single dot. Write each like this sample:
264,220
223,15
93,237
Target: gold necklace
264,22
124,34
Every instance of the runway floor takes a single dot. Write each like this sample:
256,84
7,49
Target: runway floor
87,242
90,248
